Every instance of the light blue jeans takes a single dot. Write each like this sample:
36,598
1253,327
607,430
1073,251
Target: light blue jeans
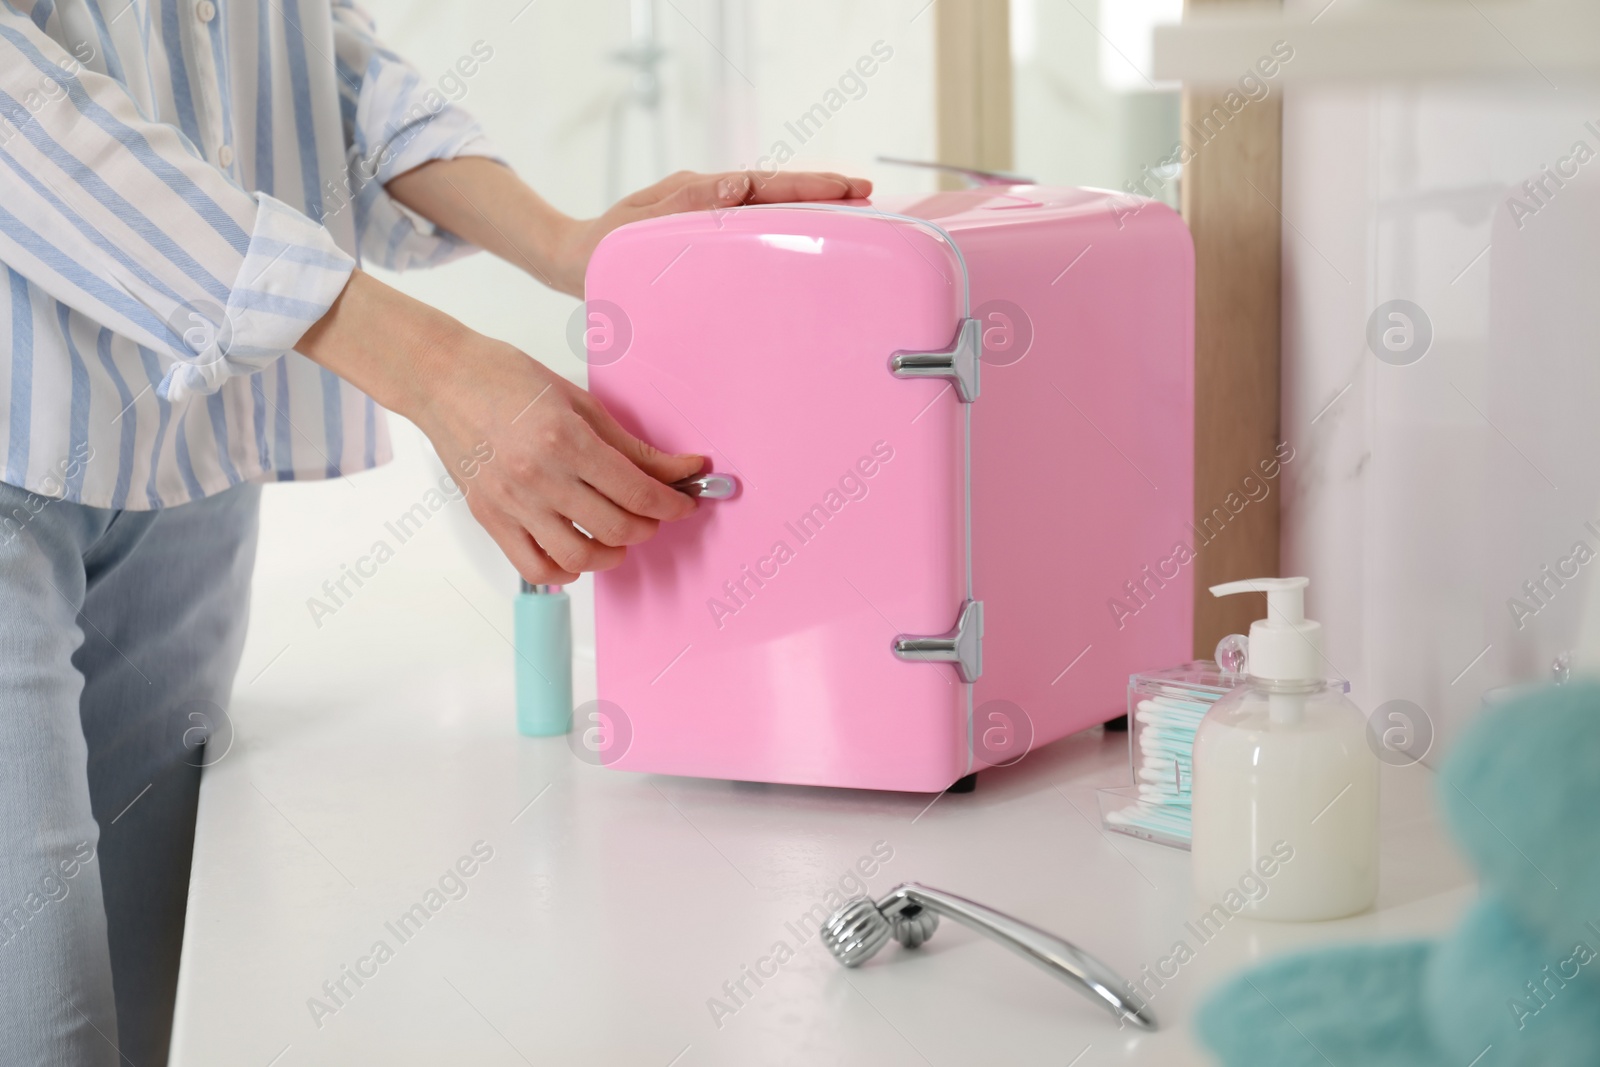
120,633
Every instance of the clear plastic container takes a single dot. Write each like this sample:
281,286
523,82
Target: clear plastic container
1164,711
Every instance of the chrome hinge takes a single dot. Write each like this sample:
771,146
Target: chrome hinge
960,364
962,646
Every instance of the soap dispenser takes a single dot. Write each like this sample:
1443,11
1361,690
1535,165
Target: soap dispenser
1285,789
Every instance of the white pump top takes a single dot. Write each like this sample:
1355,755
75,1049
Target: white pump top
1285,646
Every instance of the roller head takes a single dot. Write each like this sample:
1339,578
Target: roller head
856,932
913,926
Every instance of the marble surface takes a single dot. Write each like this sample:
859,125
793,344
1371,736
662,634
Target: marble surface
368,765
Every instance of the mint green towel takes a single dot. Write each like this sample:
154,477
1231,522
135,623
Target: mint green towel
1518,983
1357,1006
1522,793
1495,994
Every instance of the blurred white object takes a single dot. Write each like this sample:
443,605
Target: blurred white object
1126,27
644,55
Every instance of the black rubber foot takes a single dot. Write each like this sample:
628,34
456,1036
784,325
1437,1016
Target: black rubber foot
1119,725
965,784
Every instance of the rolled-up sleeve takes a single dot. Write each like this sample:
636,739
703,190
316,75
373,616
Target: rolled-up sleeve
394,122
125,221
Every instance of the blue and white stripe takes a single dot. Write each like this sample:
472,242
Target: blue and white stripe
185,187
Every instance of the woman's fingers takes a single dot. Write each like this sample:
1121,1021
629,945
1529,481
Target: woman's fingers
607,523
602,519
546,549
531,561
808,185
621,479
666,467
706,192
569,549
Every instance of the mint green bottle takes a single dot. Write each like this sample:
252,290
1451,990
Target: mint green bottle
543,636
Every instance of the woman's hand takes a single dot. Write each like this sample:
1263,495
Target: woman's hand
539,458
689,191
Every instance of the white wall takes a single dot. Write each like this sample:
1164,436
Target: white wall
1424,495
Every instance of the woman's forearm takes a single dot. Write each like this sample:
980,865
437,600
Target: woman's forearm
485,203
383,342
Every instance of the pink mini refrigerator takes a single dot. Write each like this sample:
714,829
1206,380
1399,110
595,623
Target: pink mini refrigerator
951,441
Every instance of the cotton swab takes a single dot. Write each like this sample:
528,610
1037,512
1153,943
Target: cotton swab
1167,712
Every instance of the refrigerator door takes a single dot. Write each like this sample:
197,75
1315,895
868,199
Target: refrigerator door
754,640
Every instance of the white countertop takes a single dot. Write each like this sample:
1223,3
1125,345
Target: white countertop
368,761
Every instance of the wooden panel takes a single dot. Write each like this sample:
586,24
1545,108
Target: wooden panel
1231,188
972,83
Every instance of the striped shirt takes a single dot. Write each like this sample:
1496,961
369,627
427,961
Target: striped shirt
185,187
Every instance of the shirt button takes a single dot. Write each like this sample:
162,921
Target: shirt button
205,10
225,156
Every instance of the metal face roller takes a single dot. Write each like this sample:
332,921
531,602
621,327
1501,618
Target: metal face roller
910,914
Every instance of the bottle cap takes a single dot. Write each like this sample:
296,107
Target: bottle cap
529,587
1285,646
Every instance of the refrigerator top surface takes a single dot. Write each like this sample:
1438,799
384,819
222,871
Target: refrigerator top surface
987,207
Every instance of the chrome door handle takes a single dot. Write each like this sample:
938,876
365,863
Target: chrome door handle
910,914
709,486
